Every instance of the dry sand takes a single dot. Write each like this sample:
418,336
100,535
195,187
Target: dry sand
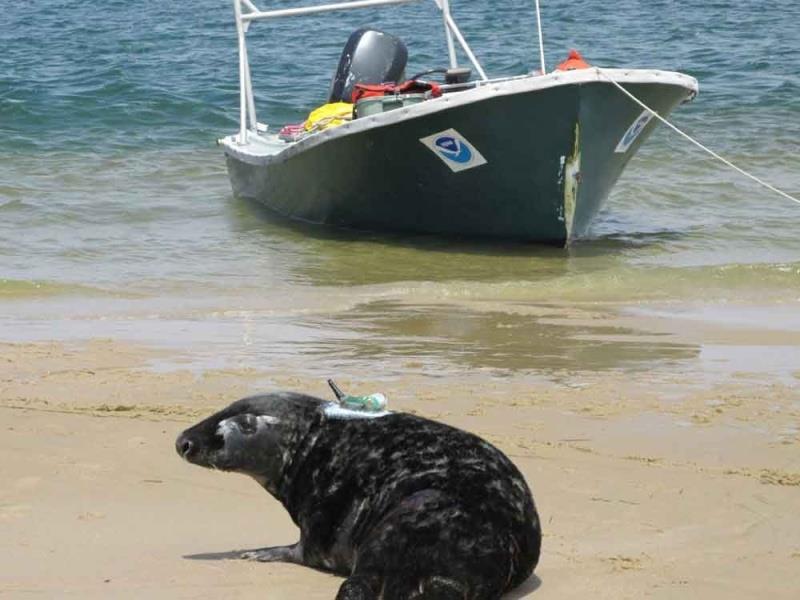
644,491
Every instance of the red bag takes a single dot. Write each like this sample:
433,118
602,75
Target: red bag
412,86
371,90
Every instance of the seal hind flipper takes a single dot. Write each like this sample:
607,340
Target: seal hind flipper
290,554
360,587
467,560
440,588
400,587
366,587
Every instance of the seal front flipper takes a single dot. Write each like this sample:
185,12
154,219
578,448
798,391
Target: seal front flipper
290,554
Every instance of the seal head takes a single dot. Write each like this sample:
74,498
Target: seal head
254,436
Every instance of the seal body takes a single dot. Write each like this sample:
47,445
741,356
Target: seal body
405,507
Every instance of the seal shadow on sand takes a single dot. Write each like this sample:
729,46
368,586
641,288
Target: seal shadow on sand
530,585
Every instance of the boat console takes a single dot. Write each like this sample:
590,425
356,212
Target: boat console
371,76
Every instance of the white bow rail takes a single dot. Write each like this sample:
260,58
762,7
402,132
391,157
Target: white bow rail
246,12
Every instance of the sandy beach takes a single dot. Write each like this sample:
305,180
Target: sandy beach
645,491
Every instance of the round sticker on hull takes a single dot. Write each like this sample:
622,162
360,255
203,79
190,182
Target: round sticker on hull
454,150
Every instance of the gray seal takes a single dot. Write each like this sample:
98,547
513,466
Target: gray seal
404,507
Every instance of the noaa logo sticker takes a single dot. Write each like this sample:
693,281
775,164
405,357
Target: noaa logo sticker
633,132
454,150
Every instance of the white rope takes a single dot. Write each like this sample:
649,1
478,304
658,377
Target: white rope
694,141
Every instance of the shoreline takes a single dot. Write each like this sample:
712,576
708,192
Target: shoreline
641,492
693,343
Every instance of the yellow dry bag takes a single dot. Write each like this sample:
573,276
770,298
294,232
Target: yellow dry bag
329,115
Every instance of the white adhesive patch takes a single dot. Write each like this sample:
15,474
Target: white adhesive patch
224,428
334,411
227,426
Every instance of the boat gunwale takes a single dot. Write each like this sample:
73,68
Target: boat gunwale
253,152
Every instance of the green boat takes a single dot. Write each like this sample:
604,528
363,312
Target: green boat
528,158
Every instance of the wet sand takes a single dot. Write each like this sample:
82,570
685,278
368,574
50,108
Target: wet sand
676,489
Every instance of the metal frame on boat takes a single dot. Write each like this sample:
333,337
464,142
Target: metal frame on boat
531,157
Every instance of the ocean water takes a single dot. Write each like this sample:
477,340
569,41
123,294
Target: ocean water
117,219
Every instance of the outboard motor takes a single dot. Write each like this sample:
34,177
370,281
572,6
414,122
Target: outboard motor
370,56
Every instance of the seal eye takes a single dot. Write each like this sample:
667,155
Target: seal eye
248,424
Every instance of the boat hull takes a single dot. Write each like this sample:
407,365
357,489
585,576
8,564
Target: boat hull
541,162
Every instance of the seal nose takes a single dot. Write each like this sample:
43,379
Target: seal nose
184,446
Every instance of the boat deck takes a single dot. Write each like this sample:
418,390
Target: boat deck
259,148
263,144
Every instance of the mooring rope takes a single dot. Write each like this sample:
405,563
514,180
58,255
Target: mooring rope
694,141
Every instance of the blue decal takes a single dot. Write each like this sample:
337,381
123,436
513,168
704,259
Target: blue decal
452,149
634,132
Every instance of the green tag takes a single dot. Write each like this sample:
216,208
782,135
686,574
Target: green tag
371,403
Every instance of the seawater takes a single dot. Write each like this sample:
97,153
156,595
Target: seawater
117,219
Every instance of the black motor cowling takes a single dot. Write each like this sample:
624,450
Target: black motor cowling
370,56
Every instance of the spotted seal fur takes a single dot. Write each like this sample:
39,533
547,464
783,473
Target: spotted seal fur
404,507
